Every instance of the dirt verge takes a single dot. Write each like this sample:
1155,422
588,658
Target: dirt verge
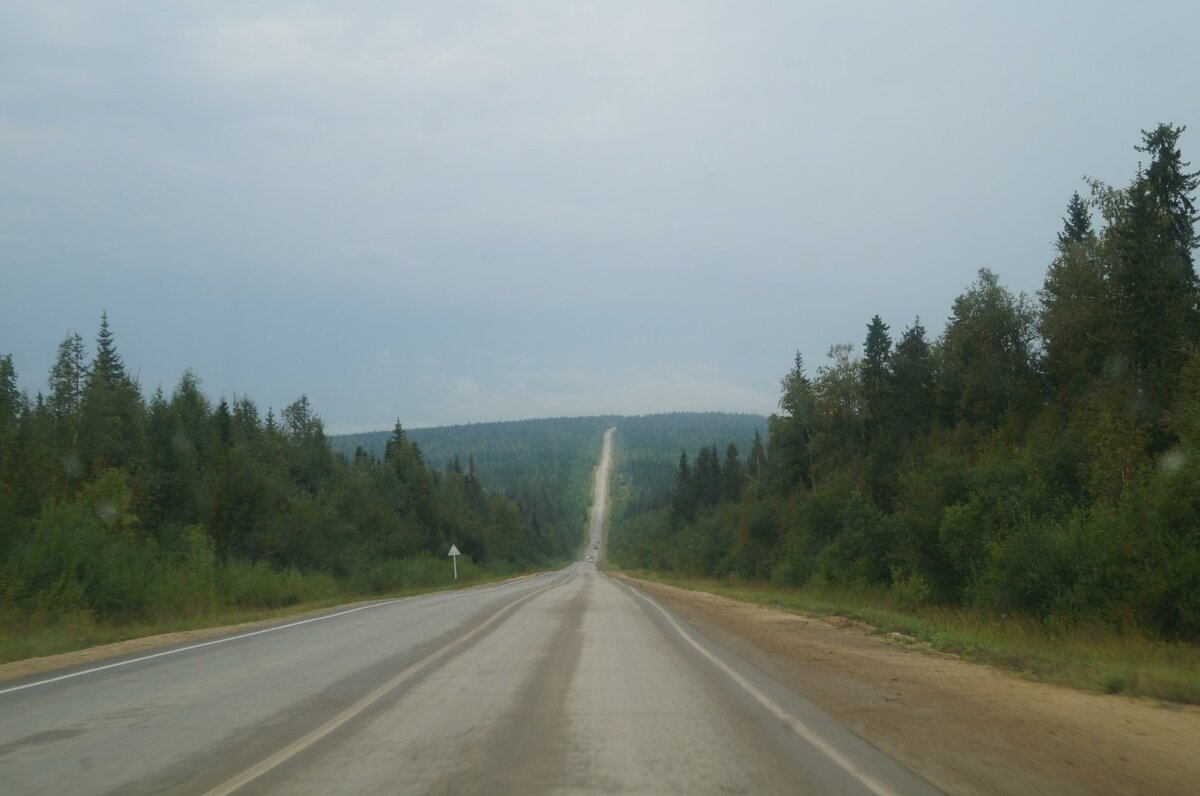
965,727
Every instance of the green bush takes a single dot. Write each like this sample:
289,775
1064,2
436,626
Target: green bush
259,585
910,591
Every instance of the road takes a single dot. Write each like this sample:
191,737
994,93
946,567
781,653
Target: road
568,682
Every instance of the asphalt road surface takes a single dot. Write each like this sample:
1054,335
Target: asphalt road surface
568,682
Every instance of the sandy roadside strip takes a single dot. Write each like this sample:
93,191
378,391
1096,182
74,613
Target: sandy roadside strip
965,727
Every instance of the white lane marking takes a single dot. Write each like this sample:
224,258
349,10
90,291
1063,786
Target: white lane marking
191,647
305,741
799,727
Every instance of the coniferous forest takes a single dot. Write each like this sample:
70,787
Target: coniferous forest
115,508
1038,457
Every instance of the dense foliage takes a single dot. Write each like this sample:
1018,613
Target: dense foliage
1039,457
545,466
127,509
647,452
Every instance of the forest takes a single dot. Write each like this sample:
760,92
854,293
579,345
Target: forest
1039,457
543,465
119,509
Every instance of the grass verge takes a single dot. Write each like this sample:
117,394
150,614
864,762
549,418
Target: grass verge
1088,658
32,636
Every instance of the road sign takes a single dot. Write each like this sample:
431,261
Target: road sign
454,554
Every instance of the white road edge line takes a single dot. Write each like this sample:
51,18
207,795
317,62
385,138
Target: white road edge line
797,726
305,741
191,647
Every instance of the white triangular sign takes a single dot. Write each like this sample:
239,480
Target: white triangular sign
454,551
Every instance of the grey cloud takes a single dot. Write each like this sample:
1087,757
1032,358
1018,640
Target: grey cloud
273,193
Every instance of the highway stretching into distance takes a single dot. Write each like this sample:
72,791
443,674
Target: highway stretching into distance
566,682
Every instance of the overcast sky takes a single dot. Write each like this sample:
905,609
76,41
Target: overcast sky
453,211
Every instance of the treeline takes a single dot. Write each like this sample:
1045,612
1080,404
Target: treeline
647,451
1039,457
543,465
127,509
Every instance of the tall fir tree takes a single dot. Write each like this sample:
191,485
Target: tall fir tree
683,498
875,366
1077,226
790,434
912,382
1154,282
107,363
111,411
1076,322
732,473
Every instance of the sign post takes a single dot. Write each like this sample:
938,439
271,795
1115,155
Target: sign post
454,554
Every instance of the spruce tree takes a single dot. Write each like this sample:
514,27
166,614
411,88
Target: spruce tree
1168,189
875,370
107,364
756,465
683,498
1077,226
111,411
1154,283
790,434
223,420
1076,323
13,408
397,444
912,382
707,476
731,473
12,402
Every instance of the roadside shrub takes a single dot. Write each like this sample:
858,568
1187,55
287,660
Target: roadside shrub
909,591
259,585
1037,569
402,574
860,552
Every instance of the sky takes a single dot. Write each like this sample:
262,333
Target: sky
459,212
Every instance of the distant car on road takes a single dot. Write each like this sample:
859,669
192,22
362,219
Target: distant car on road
591,558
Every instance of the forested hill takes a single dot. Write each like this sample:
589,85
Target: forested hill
501,447
1039,456
545,465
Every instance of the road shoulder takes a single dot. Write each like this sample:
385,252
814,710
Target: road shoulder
965,727
43,664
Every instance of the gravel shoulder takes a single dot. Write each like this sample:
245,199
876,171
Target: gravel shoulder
966,727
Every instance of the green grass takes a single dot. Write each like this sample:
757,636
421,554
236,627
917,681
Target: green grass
1088,658
32,635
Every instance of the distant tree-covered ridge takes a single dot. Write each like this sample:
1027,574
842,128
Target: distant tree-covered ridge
1040,456
127,508
545,465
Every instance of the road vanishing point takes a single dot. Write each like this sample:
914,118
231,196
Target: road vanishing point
566,682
